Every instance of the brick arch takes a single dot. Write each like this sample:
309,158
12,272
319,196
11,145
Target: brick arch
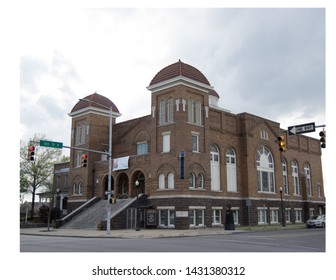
142,136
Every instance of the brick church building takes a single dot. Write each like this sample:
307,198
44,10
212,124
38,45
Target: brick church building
193,159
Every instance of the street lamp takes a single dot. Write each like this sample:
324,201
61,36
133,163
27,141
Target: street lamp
137,185
282,209
109,186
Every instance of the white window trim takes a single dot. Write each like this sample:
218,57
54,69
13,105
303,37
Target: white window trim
195,134
164,135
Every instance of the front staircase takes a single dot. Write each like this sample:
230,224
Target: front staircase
92,216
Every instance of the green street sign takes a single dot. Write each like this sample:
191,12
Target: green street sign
51,144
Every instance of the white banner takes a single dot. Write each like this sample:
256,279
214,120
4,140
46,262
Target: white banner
120,163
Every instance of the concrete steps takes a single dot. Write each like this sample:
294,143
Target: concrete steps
90,218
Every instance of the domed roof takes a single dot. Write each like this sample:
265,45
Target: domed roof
95,100
179,69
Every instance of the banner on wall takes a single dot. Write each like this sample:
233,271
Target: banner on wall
120,163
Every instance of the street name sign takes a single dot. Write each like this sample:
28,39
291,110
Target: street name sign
301,128
51,144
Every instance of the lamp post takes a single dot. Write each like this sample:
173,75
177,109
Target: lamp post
137,185
109,186
282,209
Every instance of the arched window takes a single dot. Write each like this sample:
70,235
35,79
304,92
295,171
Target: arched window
200,181
285,177
80,188
167,110
192,180
231,170
194,111
162,111
295,175
170,181
215,168
161,181
170,110
308,178
74,188
265,170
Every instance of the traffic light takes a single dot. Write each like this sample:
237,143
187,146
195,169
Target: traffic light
323,138
282,143
31,152
84,160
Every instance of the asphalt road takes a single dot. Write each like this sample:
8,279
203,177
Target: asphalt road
302,240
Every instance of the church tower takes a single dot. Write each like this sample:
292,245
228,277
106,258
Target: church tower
89,131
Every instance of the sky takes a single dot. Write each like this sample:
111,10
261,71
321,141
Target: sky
269,62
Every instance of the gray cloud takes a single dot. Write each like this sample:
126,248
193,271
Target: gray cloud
268,62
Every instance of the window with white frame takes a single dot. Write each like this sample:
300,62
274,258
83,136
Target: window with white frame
196,217
166,142
217,215
161,182
166,185
162,111
295,176
274,215
170,110
77,188
264,134
142,148
195,141
167,217
194,111
262,215
170,180
192,180
288,215
166,114
78,161
81,131
74,188
231,170
265,170
298,215
308,178
285,177
200,181
215,168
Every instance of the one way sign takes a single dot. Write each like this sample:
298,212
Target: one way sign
301,128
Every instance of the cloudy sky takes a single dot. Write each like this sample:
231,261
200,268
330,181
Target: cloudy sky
269,62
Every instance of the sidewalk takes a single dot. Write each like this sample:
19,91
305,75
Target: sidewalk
126,233
150,233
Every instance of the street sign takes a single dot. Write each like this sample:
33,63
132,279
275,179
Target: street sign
51,144
301,128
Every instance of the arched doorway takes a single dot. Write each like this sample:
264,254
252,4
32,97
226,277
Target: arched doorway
123,186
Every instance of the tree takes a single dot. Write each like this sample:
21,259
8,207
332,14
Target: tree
38,173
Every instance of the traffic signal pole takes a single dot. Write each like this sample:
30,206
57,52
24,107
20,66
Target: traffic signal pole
87,150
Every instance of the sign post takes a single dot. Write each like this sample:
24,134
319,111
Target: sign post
51,144
301,128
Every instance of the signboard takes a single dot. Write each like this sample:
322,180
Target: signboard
151,218
182,214
51,144
301,128
120,163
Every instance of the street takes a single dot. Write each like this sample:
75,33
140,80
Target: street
299,240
